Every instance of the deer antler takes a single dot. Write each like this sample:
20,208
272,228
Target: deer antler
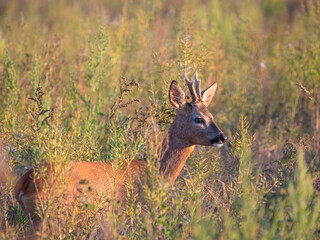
197,83
194,87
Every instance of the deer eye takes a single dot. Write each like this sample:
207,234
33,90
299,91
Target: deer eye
199,120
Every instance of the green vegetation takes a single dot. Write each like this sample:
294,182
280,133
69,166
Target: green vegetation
88,81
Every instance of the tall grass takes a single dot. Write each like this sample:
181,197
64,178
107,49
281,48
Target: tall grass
88,81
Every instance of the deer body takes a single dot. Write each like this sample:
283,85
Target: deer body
81,178
193,125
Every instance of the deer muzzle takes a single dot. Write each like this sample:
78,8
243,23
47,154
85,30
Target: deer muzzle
219,140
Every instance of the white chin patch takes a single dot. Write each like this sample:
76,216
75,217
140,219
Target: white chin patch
219,145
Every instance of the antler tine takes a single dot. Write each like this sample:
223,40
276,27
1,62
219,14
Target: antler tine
197,83
191,88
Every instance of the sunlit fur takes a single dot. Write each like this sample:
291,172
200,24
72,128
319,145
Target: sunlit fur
98,180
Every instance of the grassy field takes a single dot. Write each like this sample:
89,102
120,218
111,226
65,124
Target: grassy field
88,81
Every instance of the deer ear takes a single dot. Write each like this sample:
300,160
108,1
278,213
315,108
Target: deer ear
177,96
208,94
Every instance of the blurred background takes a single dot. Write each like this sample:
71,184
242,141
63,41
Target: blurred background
257,51
67,67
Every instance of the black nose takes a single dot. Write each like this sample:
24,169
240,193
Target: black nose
222,138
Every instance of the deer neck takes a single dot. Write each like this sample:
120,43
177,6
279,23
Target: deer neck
175,153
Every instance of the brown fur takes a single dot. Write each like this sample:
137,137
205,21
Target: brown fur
96,179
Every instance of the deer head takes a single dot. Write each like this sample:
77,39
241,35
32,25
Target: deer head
193,120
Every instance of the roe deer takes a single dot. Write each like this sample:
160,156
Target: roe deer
193,125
